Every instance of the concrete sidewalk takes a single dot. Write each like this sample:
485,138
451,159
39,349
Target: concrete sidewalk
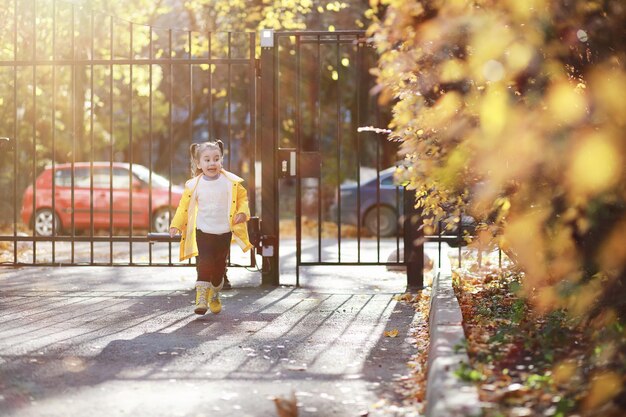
124,341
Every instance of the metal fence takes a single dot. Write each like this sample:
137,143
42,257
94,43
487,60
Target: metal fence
323,85
99,113
88,99
335,179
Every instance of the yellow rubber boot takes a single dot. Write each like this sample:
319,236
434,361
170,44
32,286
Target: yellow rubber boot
201,297
213,294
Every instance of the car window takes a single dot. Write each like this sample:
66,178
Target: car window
101,177
143,174
63,177
120,178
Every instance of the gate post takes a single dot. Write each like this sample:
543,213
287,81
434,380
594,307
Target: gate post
413,242
269,180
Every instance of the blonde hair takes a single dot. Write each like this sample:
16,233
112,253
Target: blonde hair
196,149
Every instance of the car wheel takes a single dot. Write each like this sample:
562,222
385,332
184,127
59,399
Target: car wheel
388,221
44,221
161,220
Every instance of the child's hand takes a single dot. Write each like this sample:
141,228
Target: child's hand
239,218
174,231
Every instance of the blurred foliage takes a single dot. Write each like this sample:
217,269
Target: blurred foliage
514,109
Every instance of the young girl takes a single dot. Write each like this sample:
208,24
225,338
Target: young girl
212,211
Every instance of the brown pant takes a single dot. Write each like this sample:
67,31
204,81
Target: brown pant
212,254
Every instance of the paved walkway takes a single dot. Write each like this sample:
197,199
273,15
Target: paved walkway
96,341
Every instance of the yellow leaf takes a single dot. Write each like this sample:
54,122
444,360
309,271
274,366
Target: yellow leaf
564,372
596,164
494,111
286,407
403,297
565,103
519,56
525,8
452,71
607,87
546,300
603,388
391,333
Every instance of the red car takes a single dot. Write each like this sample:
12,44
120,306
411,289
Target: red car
103,182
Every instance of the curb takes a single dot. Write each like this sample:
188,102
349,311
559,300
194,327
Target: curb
446,394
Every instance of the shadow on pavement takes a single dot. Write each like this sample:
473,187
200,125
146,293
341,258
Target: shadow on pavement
113,342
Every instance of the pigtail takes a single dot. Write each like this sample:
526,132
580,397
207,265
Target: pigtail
220,144
193,153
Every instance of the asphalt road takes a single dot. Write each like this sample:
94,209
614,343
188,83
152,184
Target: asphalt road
117,341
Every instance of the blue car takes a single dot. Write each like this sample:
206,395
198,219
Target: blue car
381,207
369,215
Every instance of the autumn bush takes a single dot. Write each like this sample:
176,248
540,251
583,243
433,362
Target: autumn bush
514,109
529,364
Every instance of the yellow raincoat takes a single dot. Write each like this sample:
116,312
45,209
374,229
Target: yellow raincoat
185,217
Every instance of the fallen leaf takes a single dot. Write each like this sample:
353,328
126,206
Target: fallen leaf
391,333
286,407
603,388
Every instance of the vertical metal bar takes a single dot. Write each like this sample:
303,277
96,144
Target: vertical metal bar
269,225
150,164
298,179
91,139
358,66
34,167
210,109
397,224
318,103
277,125
130,147
190,103
413,254
460,229
15,138
229,108
73,106
252,124
54,72
229,93
190,87
112,143
252,132
439,244
170,130
338,121
378,191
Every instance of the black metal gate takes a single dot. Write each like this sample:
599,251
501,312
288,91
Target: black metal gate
98,114
331,196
